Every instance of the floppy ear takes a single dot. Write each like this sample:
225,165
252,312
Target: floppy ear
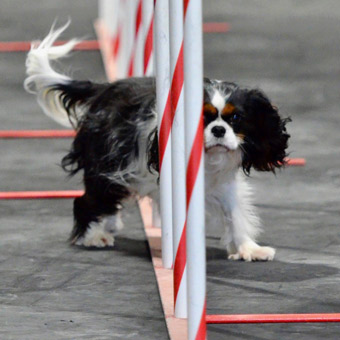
265,135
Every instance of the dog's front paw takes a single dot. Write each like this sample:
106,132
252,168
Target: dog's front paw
250,251
96,237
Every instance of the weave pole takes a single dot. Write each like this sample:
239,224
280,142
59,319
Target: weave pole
107,28
147,24
136,54
178,158
107,11
115,27
117,32
193,91
161,39
119,53
148,70
109,14
126,28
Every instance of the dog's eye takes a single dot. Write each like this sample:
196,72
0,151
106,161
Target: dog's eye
236,118
208,118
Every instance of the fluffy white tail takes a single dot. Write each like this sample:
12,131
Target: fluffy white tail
41,76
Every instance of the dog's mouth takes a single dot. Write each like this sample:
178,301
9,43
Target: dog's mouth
218,147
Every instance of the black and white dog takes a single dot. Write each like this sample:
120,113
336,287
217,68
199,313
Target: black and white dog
116,147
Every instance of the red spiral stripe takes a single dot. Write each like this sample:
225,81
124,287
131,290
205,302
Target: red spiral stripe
116,42
172,101
148,46
138,27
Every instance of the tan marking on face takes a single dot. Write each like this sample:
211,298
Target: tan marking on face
240,135
210,109
228,109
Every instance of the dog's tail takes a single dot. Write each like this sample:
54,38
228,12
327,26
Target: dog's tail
60,97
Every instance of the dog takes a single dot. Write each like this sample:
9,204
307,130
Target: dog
116,147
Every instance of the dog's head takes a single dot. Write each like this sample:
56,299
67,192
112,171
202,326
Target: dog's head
241,120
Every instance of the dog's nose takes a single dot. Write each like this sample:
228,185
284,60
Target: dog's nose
218,131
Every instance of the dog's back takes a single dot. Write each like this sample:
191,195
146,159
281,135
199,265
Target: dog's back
108,117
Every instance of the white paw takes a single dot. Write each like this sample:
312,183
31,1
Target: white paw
250,251
96,237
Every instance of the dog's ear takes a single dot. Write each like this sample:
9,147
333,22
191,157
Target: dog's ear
265,135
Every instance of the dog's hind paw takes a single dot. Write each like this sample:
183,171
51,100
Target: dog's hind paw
96,237
250,251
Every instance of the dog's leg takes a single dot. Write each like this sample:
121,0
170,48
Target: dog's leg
156,215
114,223
90,223
101,234
227,239
236,203
97,214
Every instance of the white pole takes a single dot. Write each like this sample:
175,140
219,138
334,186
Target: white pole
137,53
117,30
161,38
108,12
178,158
148,6
127,13
148,69
102,9
193,85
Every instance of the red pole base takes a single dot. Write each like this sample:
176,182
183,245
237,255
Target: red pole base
296,161
215,27
20,195
272,318
37,134
23,46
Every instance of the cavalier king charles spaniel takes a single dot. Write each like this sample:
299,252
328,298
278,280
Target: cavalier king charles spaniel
116,147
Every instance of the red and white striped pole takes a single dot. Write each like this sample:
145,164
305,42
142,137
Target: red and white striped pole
127,13
193,91
108,12
161,38
136,56
147,22
109,28
148,69
117,31
178,158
